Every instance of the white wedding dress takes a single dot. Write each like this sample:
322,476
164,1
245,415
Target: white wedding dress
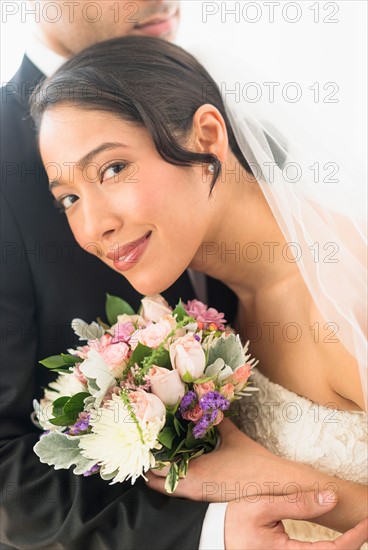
296,428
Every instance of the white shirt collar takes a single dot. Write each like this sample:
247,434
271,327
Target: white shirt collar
42,57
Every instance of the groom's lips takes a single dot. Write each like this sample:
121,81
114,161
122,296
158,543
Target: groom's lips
126,256
159,25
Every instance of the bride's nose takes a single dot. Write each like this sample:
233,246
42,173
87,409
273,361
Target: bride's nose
101,219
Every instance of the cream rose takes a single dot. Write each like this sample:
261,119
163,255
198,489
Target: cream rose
188,357
147,406
167,385
153,335
154,308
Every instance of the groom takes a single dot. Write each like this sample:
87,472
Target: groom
47,280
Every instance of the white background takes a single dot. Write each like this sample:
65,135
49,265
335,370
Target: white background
326,43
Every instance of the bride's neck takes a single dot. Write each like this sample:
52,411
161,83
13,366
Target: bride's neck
245,247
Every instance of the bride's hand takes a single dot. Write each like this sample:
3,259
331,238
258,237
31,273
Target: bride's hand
239,468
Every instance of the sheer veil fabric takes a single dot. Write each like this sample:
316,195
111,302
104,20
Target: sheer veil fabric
322,216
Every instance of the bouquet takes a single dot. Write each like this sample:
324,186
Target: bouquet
146,391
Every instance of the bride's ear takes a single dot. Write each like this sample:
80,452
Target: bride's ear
209,132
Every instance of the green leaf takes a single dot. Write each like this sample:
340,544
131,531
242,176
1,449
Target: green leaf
75,405
62,451
190,440
172,479
116,306
203,380
180,312
140,352
71,359
67,409
178,427
58,405
54,362
163,360
166,437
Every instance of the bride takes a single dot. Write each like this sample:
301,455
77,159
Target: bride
159,174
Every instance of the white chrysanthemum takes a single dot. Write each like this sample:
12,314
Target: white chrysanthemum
100,378
120,444
66,384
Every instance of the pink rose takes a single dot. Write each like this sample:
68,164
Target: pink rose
205,387
153,335
194,414
167,385
147,406
115,356
187,356
228,391
154,308
239,377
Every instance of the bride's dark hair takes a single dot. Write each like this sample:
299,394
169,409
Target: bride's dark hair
146,81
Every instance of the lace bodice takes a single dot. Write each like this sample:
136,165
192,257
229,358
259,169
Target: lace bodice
296,428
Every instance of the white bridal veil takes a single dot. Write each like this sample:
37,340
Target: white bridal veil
318,200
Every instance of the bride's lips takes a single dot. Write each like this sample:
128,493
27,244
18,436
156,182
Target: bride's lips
127,256
158,25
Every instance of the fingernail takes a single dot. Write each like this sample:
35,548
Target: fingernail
327,497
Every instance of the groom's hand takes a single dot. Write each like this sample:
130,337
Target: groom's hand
258,525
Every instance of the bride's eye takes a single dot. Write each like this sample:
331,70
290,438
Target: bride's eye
112,171
64,203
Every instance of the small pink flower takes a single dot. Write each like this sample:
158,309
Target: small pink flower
122,332
239,377
194,414
228,391
202,389
207,318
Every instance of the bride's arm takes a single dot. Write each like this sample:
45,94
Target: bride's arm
243,469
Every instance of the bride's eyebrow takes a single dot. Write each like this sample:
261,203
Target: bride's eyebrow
84,161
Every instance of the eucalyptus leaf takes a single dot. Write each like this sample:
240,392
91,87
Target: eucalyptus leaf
62,451
86,331
116,306
229,348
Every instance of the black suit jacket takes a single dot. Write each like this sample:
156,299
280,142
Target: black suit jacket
46,281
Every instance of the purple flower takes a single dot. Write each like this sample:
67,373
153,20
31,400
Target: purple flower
205,315
188,401
92,470
81,425
214,401
204,424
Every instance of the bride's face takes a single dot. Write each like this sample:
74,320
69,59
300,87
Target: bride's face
142,216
